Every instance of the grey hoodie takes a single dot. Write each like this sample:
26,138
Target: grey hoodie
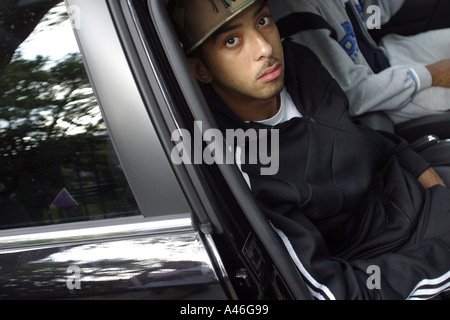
390,90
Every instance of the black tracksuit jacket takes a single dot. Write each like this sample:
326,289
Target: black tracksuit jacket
346,200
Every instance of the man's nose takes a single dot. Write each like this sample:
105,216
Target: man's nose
262,47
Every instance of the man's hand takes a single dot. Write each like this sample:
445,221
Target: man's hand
430,178
440,72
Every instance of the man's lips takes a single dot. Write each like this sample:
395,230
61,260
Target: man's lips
271,73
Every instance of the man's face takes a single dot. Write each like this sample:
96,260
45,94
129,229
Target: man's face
244,60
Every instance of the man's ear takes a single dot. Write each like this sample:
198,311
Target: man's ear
199,69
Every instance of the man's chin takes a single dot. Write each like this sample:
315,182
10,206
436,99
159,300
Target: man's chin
274,93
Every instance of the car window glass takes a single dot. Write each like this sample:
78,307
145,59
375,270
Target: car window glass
57,163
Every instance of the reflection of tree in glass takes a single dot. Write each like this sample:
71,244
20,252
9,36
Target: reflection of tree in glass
52,136
39,103
51,132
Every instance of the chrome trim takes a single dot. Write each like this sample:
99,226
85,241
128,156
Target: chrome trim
158,267
86,232
151,63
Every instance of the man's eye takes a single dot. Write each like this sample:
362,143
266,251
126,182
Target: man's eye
232,42
264,21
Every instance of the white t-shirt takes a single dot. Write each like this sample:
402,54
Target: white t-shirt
287,111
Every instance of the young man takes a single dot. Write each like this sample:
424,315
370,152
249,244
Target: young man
407,77
346,200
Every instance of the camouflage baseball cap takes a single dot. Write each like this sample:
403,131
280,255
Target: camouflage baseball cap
199,19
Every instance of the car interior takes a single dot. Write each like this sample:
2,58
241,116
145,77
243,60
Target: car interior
427,135
414,17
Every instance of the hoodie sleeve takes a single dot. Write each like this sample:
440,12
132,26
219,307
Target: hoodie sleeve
409,159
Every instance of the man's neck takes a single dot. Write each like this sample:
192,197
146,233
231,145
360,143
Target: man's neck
258,110
249,109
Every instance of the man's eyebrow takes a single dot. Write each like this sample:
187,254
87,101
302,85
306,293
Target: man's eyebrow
260,9
227,28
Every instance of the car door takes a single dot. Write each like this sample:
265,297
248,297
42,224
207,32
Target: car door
89,206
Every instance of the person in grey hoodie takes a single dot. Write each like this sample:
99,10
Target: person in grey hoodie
412,81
